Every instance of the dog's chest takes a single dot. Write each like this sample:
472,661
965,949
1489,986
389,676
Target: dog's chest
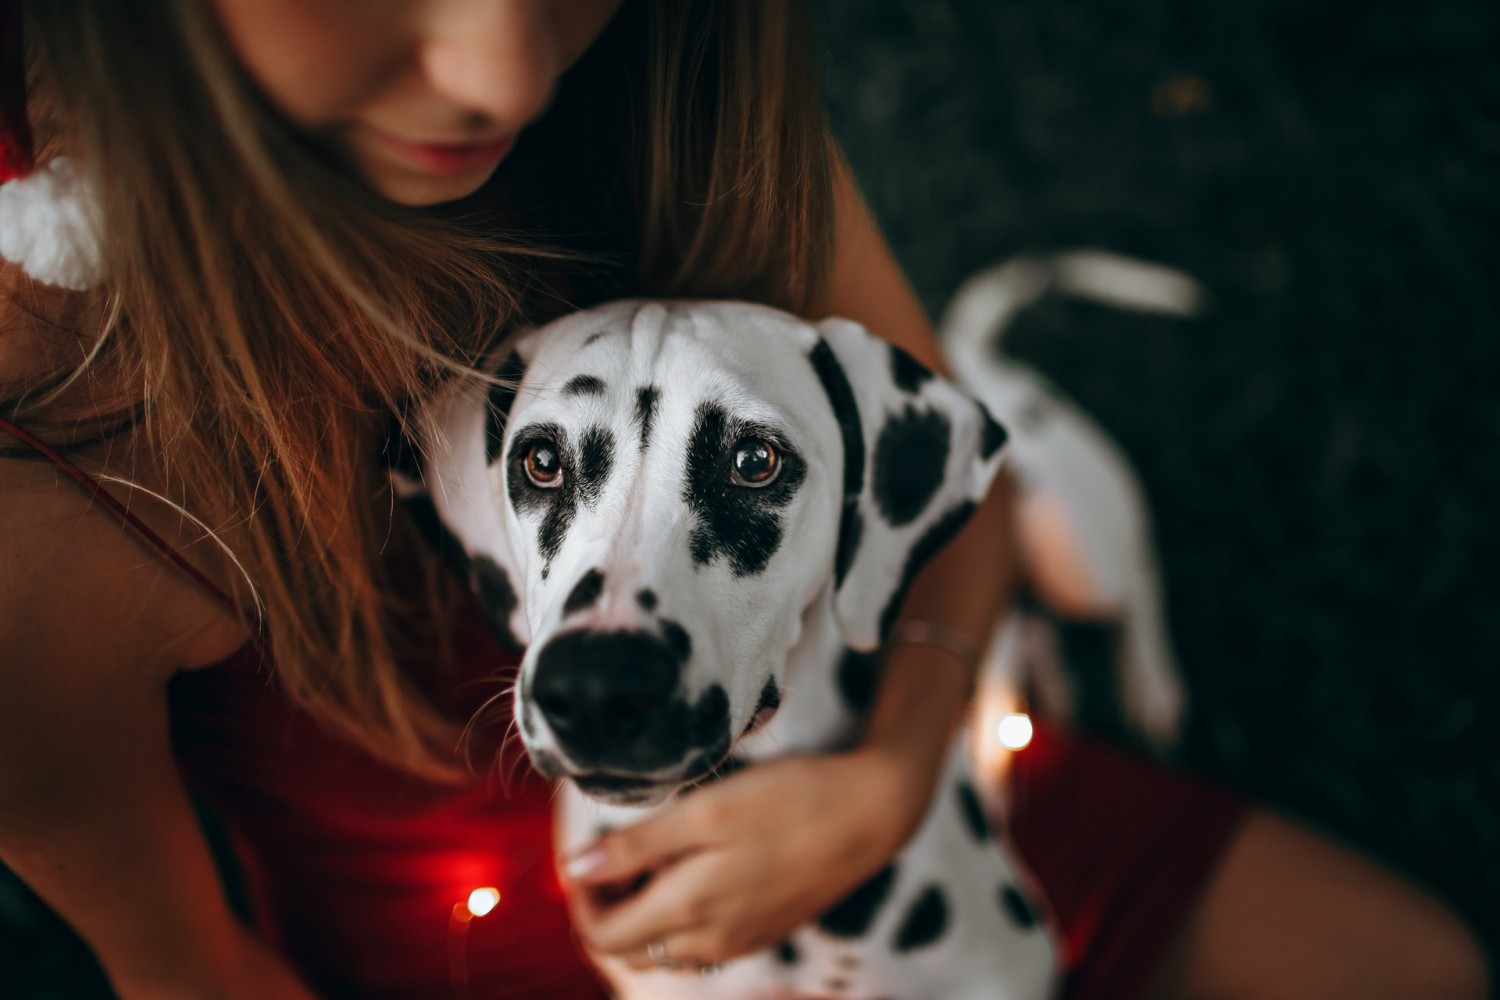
952,917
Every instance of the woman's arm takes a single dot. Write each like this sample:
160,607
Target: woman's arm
92,814
740,863
925,687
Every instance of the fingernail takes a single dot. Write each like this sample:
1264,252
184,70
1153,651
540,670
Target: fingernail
584,864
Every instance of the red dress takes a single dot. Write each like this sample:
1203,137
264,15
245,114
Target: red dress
362,871
358,869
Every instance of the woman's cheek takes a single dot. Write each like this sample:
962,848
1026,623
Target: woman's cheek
318,61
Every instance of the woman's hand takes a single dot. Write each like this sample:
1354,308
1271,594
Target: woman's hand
736,865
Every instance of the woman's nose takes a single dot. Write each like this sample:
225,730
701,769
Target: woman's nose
497,58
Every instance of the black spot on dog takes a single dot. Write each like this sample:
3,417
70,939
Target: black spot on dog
710,720
497,599
925,921
846,411
585,592
646,598
559,505
646,399
836,985
787,954
907,372
706,725
911,457
973,811
1017,908
736,522
847,962
678,639
851,917
858,674
589,342
596,458
929,545
994,436
502,396
584,385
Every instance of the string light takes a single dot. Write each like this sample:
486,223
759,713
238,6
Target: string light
1014,731
483,900
480,902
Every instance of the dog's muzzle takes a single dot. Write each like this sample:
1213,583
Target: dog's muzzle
613,701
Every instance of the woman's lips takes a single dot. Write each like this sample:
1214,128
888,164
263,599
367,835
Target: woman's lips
447,159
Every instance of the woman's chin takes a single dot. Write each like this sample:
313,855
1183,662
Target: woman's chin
421,191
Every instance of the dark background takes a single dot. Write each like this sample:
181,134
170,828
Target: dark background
1322,451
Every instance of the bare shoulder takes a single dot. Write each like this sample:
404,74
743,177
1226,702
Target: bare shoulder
79,587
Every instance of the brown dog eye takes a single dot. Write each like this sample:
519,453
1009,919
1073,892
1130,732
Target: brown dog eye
543,467
756,463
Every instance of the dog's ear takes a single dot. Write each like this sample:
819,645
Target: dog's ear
446,468
919,456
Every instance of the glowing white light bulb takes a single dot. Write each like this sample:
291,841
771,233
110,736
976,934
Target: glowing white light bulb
482,901
1014,731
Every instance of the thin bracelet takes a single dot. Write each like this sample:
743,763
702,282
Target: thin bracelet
943,636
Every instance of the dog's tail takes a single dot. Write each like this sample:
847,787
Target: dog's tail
984,307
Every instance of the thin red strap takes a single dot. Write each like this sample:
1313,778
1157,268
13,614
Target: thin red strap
96,490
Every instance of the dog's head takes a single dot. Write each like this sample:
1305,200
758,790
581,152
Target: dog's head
660,491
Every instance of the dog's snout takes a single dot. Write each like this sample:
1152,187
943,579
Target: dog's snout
603,693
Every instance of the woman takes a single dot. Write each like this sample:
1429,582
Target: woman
278,284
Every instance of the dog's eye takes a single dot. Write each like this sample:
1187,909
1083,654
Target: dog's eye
543,466
756,463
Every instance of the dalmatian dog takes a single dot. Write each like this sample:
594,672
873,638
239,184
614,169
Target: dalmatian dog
1083,525
699,520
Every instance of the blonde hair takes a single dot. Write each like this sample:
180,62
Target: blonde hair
268,316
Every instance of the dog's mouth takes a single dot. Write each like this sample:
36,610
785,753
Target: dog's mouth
613,784
622,789
759,720
615,789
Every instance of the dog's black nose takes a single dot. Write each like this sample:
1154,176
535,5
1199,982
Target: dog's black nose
605,696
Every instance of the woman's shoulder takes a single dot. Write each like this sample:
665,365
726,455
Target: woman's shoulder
77,585
76,582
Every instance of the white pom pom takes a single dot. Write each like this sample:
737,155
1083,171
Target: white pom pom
49,224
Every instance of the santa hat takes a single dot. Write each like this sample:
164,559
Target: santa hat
48,215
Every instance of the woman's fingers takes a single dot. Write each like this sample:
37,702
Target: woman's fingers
623,855
737,865
671,906
688,954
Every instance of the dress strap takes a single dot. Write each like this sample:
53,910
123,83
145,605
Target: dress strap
96,490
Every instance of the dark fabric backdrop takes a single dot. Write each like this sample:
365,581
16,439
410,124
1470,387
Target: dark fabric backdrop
1322,451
